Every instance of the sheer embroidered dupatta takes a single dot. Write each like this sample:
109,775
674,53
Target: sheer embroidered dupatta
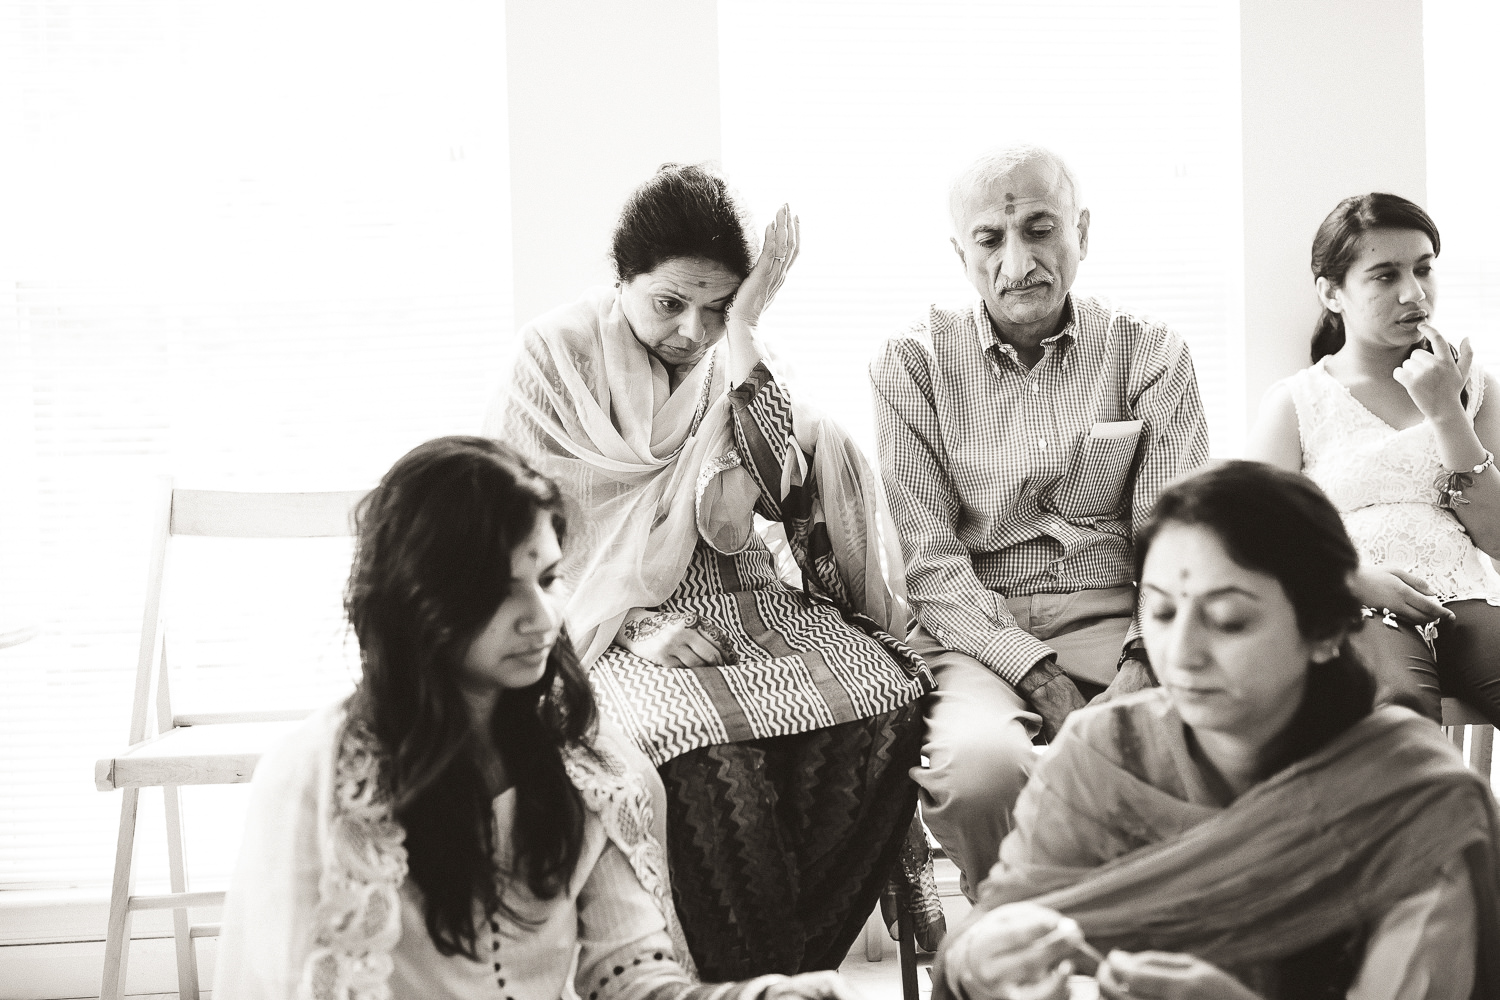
649,469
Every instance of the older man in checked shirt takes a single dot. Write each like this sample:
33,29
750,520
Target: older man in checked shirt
1023,440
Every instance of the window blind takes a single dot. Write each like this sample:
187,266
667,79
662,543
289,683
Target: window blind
861,113
266,246
1462,92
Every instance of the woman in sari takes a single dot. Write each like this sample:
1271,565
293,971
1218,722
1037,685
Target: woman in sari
457,829
781,715
1253,828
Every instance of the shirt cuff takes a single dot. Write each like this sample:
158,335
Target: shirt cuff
1012,652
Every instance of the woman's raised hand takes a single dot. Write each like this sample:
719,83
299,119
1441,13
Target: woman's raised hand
1019,951
777,252
1435,379
674,638
1161,975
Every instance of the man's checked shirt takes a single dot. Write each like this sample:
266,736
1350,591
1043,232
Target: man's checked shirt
1006,481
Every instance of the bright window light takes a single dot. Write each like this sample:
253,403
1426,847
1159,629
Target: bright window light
1462,93
267,246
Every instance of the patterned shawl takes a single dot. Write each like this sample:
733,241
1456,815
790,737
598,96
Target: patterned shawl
357,923
651,469
1327,845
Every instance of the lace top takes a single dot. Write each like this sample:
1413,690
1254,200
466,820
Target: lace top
1383,481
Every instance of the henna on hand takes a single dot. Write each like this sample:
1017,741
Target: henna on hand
649,625
719,638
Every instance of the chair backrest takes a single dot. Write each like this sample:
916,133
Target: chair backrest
221,514
224,514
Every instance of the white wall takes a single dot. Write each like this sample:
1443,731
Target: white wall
1332,101
1333,104
600,95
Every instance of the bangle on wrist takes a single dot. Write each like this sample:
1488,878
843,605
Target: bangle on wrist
1451,485
1489,460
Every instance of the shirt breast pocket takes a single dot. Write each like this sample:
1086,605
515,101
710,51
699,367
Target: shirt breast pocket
1099,473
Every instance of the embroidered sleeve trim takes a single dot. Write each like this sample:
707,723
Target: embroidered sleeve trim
620,799
358,918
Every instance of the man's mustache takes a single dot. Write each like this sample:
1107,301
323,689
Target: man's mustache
1030,281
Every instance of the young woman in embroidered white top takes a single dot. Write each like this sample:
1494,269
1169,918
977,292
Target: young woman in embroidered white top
1391,421
458,828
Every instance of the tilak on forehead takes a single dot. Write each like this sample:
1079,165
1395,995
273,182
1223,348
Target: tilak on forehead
1010,207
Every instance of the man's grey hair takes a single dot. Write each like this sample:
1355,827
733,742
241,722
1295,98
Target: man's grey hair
995,164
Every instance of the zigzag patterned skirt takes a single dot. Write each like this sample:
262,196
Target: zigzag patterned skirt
802,665
786,772
780,847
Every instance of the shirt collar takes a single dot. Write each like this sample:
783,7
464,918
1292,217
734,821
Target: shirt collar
989,338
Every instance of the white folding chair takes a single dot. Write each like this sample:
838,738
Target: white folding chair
194,749
1461,719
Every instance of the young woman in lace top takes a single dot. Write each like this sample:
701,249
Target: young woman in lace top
457,828
1391,421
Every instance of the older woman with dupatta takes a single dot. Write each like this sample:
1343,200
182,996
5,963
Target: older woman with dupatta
781,715
1252,828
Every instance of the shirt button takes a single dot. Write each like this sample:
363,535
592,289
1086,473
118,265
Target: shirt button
1035,387
1041,443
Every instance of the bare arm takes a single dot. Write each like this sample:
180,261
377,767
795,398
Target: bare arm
1458,440
1434,379
1275,438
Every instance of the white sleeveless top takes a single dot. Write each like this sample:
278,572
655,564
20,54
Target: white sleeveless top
1384,483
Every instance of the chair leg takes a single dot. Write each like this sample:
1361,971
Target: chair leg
906,937
1481,746
117,931
1456,735
187,958
874,936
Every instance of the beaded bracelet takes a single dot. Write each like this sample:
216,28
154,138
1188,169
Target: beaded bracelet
1451,485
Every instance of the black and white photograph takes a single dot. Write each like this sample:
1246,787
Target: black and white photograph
749,500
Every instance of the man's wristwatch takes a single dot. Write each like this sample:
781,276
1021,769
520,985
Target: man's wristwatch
1135,650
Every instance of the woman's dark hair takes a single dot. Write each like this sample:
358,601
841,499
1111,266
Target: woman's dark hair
1336,246
431,567
1279,523
682,211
